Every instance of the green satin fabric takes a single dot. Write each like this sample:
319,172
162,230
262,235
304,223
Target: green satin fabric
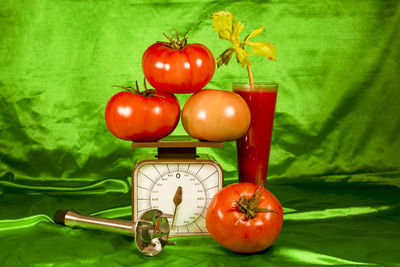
326,223
335,151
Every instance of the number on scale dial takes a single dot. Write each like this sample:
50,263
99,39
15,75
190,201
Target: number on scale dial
157,184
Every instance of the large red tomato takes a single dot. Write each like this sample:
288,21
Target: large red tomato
178,70
142,117
215,115
230,220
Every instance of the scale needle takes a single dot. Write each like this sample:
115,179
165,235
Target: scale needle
177,201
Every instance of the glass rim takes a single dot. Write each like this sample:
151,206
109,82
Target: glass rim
256,83
259,86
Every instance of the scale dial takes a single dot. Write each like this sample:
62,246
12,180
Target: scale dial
156,183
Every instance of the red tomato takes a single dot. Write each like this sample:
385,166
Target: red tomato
135,117
178,71
215,115
228,225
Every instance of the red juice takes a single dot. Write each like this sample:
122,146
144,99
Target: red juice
254,147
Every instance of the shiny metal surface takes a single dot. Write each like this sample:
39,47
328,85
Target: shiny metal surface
151,231
74,219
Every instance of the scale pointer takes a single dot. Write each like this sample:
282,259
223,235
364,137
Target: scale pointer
177,201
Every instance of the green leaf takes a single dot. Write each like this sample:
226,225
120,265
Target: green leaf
222,23
264,49
242,56
254,33
225,57
237,28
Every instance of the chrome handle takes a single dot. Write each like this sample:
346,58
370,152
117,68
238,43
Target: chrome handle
151,231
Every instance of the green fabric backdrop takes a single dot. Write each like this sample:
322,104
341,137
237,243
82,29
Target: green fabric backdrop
335,151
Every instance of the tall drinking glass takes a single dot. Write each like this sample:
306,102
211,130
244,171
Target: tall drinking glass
253,148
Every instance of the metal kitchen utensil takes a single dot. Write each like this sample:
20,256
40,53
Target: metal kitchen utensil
151,231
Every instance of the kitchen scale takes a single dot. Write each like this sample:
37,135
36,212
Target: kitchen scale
177,181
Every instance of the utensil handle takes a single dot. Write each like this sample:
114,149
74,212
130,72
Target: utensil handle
74,219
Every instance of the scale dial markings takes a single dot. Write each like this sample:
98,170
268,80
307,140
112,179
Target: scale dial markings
156,183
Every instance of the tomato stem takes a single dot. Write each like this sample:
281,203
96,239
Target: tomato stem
176,34
137,87
166,36
136,90
178,43
250,206
184,36
144,84
127,88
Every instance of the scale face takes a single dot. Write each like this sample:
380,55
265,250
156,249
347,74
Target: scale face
182,186
157,183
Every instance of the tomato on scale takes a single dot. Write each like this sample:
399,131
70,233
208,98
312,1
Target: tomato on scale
147,115
215,115
178,67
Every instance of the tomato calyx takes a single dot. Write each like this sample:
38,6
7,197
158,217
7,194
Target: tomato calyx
174,41
136,90
250,206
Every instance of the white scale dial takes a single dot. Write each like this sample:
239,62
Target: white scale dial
156,185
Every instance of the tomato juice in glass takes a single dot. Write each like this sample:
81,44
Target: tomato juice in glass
253,148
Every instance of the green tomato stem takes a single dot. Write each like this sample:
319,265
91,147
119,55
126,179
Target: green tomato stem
249,207
148,92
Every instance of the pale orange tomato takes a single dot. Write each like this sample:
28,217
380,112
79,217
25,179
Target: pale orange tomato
215,115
